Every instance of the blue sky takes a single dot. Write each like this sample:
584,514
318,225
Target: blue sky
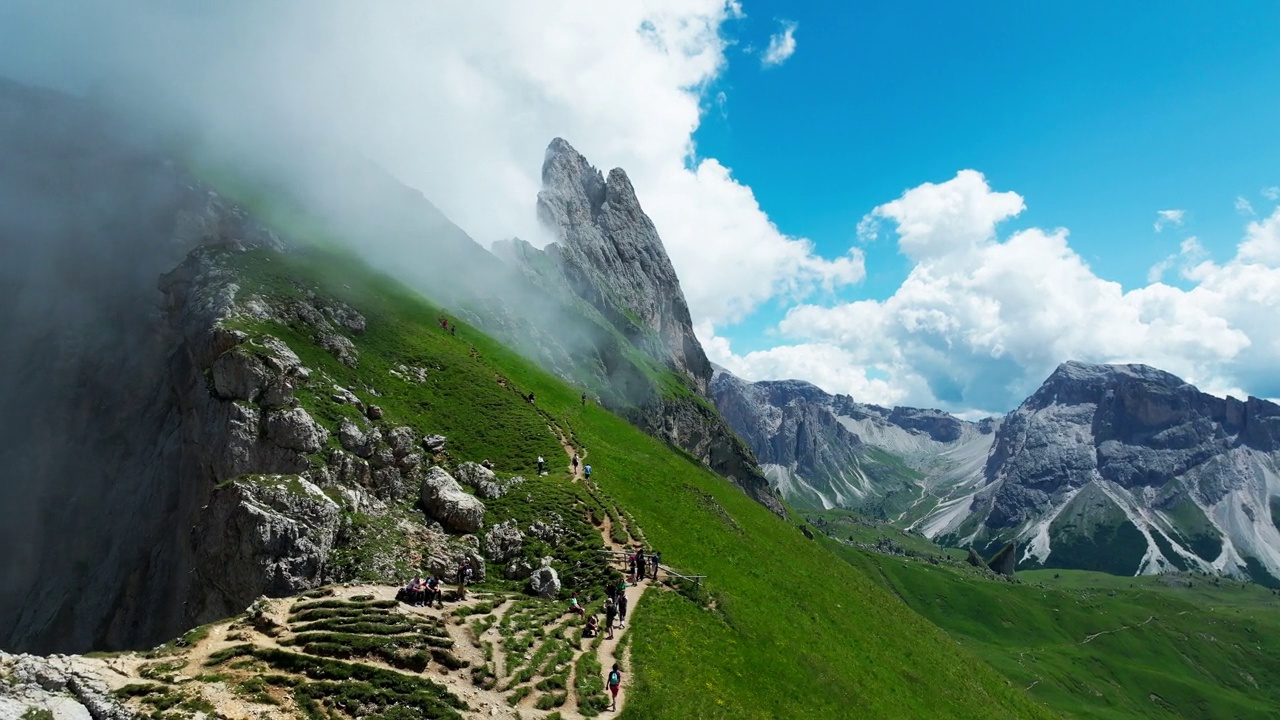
1098,115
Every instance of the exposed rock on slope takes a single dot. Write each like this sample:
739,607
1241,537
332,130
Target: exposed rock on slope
1130,469
828,451
610,259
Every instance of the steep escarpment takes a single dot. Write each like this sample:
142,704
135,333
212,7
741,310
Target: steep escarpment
610,262
1171,477
91,427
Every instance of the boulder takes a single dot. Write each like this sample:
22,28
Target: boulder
444,500
545,581
551,532
480,479
343,396
296,430
400,440
518,568
373,412
387,484
503,542
433,443
975,559
358,441
341,348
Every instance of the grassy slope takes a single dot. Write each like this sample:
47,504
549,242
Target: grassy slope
796,633
1206,652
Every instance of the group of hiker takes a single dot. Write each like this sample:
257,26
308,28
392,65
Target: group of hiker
423,593
615,611
641,564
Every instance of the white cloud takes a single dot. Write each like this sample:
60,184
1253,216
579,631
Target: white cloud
782,45
460,101
1272,193
981,320
1166,218
1243,206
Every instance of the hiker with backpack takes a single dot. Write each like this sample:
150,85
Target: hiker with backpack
614,681
622,610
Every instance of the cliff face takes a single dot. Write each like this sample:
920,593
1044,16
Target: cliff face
1174,477
96,497
611,266
612,257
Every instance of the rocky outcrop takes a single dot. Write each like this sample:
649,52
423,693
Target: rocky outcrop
612,257
67,688
503,542
483,481
545,581
106,397
262,535
445,501
1006,560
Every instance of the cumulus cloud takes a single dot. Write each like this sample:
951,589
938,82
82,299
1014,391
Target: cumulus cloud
458,101
981,320
782,45
1165,218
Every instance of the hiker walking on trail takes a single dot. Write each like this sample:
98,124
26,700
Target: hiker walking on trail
614,682
622,610
541,463
656,557
575,463
610,613
587,469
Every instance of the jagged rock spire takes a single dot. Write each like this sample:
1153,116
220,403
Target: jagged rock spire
612,255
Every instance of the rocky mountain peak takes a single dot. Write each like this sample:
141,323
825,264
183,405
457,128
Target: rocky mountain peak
612,257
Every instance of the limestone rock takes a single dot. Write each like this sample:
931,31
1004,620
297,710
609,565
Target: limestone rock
68,687
517,568
341,347
239,375
343,396
503,541
551,532
444,500
401,440
446,555
296,430
482,480
433,443
263,535
361,442
613,258
545,581
373,412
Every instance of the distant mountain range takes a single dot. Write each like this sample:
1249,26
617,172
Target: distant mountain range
1121,468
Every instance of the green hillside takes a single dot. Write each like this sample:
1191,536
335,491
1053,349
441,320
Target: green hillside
781,628
1092,645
